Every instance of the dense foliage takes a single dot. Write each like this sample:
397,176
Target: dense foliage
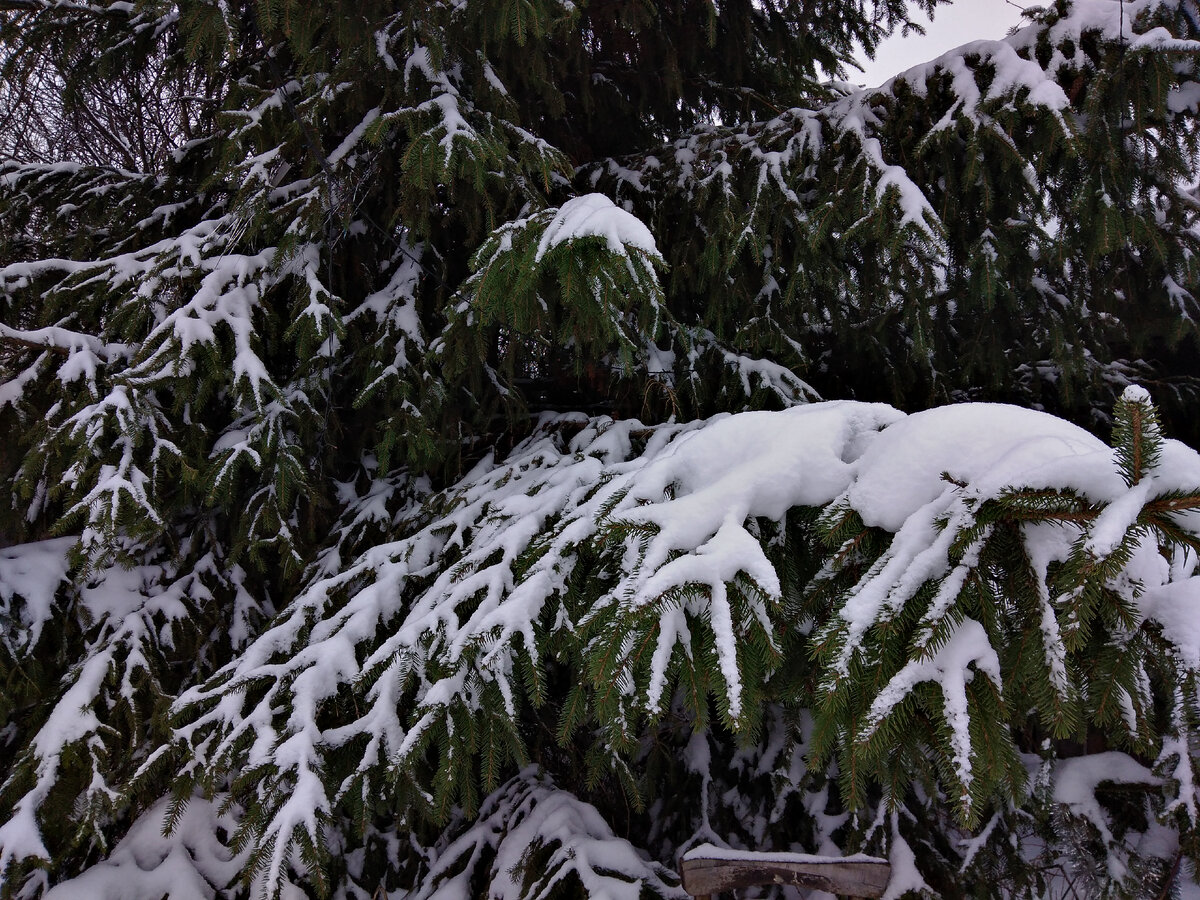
417,481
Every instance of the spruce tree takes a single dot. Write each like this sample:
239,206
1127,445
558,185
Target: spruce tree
419,485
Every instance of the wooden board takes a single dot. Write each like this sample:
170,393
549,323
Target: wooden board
702,877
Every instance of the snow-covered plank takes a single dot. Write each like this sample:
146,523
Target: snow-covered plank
707,870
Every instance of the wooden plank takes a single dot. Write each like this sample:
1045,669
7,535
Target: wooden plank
853,878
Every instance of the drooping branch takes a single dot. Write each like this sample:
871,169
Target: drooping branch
59,340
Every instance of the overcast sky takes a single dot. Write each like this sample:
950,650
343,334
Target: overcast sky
959,22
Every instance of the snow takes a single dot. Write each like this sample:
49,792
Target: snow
675,512
1174,606
351,140
675,505
1048,543
922,478
989,446
1076,780
1114,523
530,813
381,649
906,876
709,851
949,668
33,574
1135,393
129,614
67,341
1012,56
594,215
189,863
752,464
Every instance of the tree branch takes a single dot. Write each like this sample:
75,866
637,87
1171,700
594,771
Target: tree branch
59,340
13,341
60,6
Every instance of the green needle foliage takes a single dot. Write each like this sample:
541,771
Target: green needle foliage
416,485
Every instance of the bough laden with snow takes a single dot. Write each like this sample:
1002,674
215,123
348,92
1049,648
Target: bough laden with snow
415,484
968,622
1013,220
973,630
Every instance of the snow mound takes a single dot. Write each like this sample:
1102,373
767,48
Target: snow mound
988,446
190,863
594,215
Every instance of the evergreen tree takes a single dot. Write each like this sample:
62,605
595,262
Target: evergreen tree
416,480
